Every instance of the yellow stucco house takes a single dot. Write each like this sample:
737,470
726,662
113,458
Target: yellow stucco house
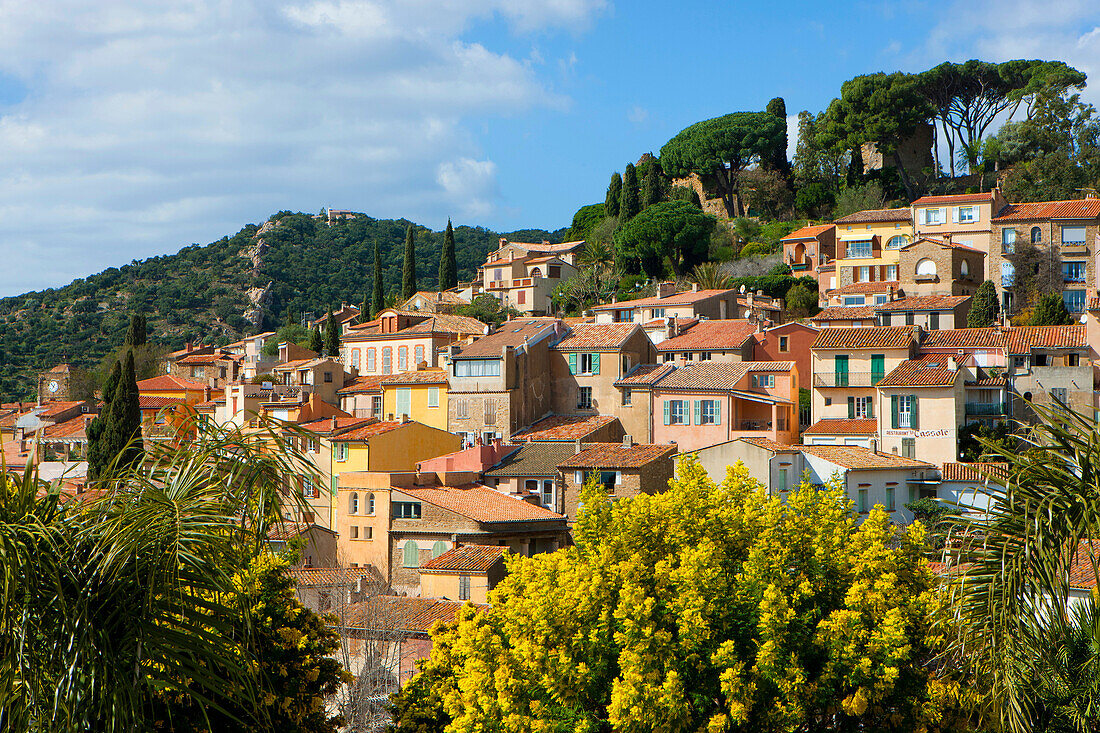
421,396
867,247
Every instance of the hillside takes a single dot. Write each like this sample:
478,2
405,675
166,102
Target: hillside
203,292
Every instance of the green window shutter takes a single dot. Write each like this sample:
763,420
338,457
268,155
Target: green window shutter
698,412
667,412
878,368
595,363
851,408
871,408
718,412
411,555
333,484
840,369
913,407
573,363
894,411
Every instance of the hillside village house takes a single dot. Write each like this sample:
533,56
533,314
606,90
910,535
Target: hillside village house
921,408
694,303
867,245
532,468
930,312
806,249
445,301
965,219
250,355
862,293
730,340
464,573
523,275
216,369
401,341
419,395
320,376
930,266
787,342
245,404
571,428
624,469
1063,236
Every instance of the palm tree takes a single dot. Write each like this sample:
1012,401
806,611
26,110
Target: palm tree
709,276
110,602
596,253
1011,596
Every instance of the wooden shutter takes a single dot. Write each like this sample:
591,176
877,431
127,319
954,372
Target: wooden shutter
718,412
913,413
871,407
573,365
851,408
595,363
894,411
667,412
698,412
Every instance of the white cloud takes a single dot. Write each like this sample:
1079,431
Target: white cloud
147,127
792,136
638,114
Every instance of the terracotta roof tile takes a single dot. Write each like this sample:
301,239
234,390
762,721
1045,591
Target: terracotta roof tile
323,426
712,336
1025,338
1071,209
468,558
616,455
929,370
54,408
563,427
858,458
510,333
482,504
682,324
809,232
1081,573
843,426
368,383
169,383
771,445
882,286
424,376
958,198
923,303
846,313
875,215
973,471
73,429
400,613
962,338
281,531
945,243
644,374
596,337
366,432
534,459
152,402
864,338
686,297
712,375
546,247
332,576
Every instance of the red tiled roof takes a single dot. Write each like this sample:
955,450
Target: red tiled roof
202,359
169,383
712,375
401,613
469,558
616,455
323,426
865,288
1093,303
875,215
282,531
864,338
682,324
948,244
846,313
973,471
596,337
151,402
644,374
843,426
1070,209
809,232
929,370
957,198
433,376
545,247
686,297
366,432
482,504
563,427
924,303
858,458
57,408
511,333
1021,340
962,338
1082,576
369,383
771,445
712,336
546,258
332,576
73,429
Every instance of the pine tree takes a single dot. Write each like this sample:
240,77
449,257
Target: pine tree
136,334
448,267
614,194
378,298
332,337
983,307
408,274
1050,310
651,187
316,342
628,205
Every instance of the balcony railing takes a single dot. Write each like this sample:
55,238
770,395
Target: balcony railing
849,379
799,266
986,408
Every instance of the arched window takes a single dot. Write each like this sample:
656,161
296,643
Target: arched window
387,360
536,272
353,503
439,548
897,242
355,358
402,358
1036,235
411,555
418,353
926,268
964,268
370,360
370,504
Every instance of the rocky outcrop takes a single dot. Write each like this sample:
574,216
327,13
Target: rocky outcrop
259,246
260,299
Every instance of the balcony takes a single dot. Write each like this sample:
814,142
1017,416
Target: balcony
800,266
986,408
851,379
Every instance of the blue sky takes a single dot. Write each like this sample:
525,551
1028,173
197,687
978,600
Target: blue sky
131,129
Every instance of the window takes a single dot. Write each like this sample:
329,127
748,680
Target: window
464,587
626,397
861,408
704,356
782,479
521,297
584,398
763,380
964,269
548,493
657,313
624,316
411,555
669,356
310,489
328,377
863,501
676,412
1019,362
403,358
932,216
784,344
968,214
890,498
461,409
1074,300
1072,360
1073,272
854,300
1073,235
433,396
934,320
926,268
1008,241
353,503
387,360
370,504
909,447
370,360
404,401
438,548
355,358
477,367
1058,395
589,363
376,405
498,275
865,274
904,411
891,272
1040,360
418,353
897,242
196,371
313,445
489,411
840,370
885,318
710,412
354,532
1036,235
340,451
370,533
860,249
406,510
909,318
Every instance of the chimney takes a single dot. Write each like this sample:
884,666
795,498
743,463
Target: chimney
874,445
666,289
628,441
503,241
670,327
189,346
206,393
952,365
577,446
333,424
695,287
405,418
947,237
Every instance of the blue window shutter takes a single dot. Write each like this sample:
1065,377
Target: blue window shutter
718,412
667,412
573,363
595,363
698,412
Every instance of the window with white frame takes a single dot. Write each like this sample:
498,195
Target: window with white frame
677,412
370,360
859,249
340,451
710,412
763,380
905,411
584,362
865,274
584,398
926,268
854,300
862,406
1008,240
897,242
433,396
376,405
548,493
355,358
968,214
477,367
932,216
1073,235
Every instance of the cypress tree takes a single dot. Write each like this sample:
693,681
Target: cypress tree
135,334
984,307
378,298
121,435
651,187
779,161
628,204
614,193
99,453
1050,310
448,268
316,342
332,337
408,273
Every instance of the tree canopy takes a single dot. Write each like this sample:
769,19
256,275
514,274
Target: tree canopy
672,231
983,307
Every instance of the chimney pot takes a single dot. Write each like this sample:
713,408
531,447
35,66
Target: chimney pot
334,423
628,441
577,446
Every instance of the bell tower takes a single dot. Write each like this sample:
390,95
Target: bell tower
54,384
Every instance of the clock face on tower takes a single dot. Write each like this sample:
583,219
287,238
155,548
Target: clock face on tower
52,386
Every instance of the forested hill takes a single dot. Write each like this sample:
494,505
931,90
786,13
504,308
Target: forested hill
202,292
